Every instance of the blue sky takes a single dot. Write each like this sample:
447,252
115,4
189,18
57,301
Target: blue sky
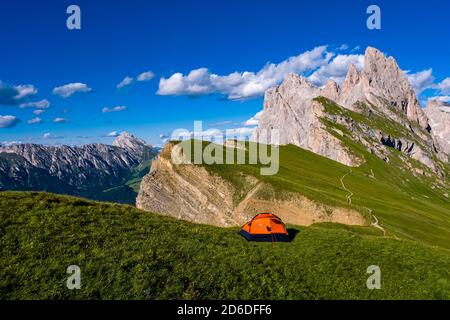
122,39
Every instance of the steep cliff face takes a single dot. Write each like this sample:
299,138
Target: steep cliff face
383,84
379,93
187,192
439,114
291,110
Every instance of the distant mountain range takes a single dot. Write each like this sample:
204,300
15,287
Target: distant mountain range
96,171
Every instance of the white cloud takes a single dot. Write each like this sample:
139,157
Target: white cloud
125,82
46,135
343,47
10,143
38,112
113,134
34,120
13,95
336,69
42,104
242,85
253,121
114,109
146,76
240,132
24,91
7,122
421,81
60,120
217,135
444,86
440,98
69,89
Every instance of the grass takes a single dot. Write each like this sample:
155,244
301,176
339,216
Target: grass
125,253
405,205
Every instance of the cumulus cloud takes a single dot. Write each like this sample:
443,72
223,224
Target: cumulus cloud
60,120
240,132
24,91
444,86
253,121
336,69
69,89
125,82
7,122
34,120
13,95
420,81
212,134
42,104
440,98
242,85
114,109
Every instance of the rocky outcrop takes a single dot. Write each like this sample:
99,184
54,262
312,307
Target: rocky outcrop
290,110
439,115
187,192
380,90
192,193
383,84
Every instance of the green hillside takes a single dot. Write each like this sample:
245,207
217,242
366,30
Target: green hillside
130,254
406,205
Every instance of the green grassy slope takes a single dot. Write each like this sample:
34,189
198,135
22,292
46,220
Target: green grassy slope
127,192
405,205
130,254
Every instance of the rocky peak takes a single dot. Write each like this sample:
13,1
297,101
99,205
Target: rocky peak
134,145
382,90
331,90
384,84
353,76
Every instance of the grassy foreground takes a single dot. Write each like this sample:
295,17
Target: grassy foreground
125,253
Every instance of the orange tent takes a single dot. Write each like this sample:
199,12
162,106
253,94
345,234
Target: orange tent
265,227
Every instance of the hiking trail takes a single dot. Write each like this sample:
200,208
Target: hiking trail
349,199
350,194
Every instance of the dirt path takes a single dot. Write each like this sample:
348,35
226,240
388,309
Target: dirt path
350,194
375,224
349,199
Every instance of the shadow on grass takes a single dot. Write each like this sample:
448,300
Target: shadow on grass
292,234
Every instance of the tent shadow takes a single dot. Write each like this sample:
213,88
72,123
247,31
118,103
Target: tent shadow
292,234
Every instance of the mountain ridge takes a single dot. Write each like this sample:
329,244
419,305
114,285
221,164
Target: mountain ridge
83,170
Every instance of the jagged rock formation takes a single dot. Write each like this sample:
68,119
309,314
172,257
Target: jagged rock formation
380,91
190,192
290,109
79,170
383,84
439,115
